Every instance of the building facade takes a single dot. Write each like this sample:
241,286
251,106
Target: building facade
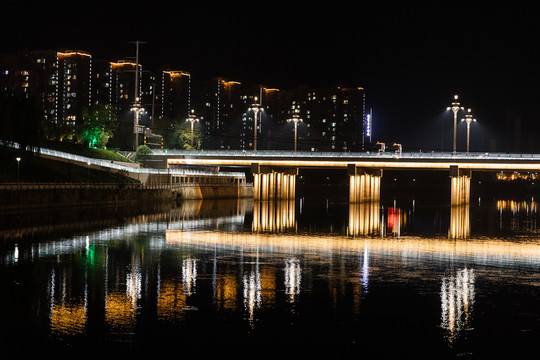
73,88
66,82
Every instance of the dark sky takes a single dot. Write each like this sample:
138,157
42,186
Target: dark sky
410,58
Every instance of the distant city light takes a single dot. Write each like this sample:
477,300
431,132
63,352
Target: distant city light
368,126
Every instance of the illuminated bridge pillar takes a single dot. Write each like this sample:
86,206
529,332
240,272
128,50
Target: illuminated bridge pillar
364,185
460,182
271,183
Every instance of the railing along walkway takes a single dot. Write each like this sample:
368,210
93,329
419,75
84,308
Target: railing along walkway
105,186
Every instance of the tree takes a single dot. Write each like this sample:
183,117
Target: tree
99,123
183,134
177,133
143,150
20,121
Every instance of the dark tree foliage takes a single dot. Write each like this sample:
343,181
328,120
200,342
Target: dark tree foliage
20,121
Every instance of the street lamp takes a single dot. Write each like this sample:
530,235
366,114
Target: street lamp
455,108
192,118
255,108
137,109
296,119
469,119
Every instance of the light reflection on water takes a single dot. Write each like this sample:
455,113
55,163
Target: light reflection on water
201,274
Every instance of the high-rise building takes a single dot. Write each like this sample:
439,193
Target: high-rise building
332,118
221,105
101,82
31,74
122,98
60,81
175,94
65,82
73,86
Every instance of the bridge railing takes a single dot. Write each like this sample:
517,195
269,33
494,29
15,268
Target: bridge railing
134,169
12,186
337,155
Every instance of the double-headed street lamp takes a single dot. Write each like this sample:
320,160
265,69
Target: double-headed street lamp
296,119
255,108
192,118
455,108
469,119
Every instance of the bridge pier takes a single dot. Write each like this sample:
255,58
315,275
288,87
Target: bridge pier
460,183
364,185
460,193
271,183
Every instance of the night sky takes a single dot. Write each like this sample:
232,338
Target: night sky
411,59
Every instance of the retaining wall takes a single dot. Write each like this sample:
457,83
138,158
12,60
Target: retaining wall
91,195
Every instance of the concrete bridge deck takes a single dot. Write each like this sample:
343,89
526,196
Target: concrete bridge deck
405,160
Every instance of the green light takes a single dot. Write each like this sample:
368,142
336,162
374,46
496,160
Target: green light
91,256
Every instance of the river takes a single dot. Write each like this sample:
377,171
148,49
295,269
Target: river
401,278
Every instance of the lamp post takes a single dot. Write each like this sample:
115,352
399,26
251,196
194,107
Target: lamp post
469,119
296,119
192,118
137,109
255,108
455,108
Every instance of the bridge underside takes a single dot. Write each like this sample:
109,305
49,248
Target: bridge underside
275,177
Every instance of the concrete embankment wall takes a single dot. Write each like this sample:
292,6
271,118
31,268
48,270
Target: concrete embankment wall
213,192
80,196
95,195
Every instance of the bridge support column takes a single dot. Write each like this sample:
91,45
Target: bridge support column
271,183
364,185
460,186
460,193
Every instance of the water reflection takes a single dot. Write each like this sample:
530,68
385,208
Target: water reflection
274,216
293,278
460,226
251,283
457,300
167,269
68,311
189,276
171,300
364,218
517,215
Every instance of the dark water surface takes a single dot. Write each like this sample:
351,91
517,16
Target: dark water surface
399,278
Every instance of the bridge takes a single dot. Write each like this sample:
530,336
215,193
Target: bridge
275,172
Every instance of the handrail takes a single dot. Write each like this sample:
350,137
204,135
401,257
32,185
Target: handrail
360,155
106,186
113,165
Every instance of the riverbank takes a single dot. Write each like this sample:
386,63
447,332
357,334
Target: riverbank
27,195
